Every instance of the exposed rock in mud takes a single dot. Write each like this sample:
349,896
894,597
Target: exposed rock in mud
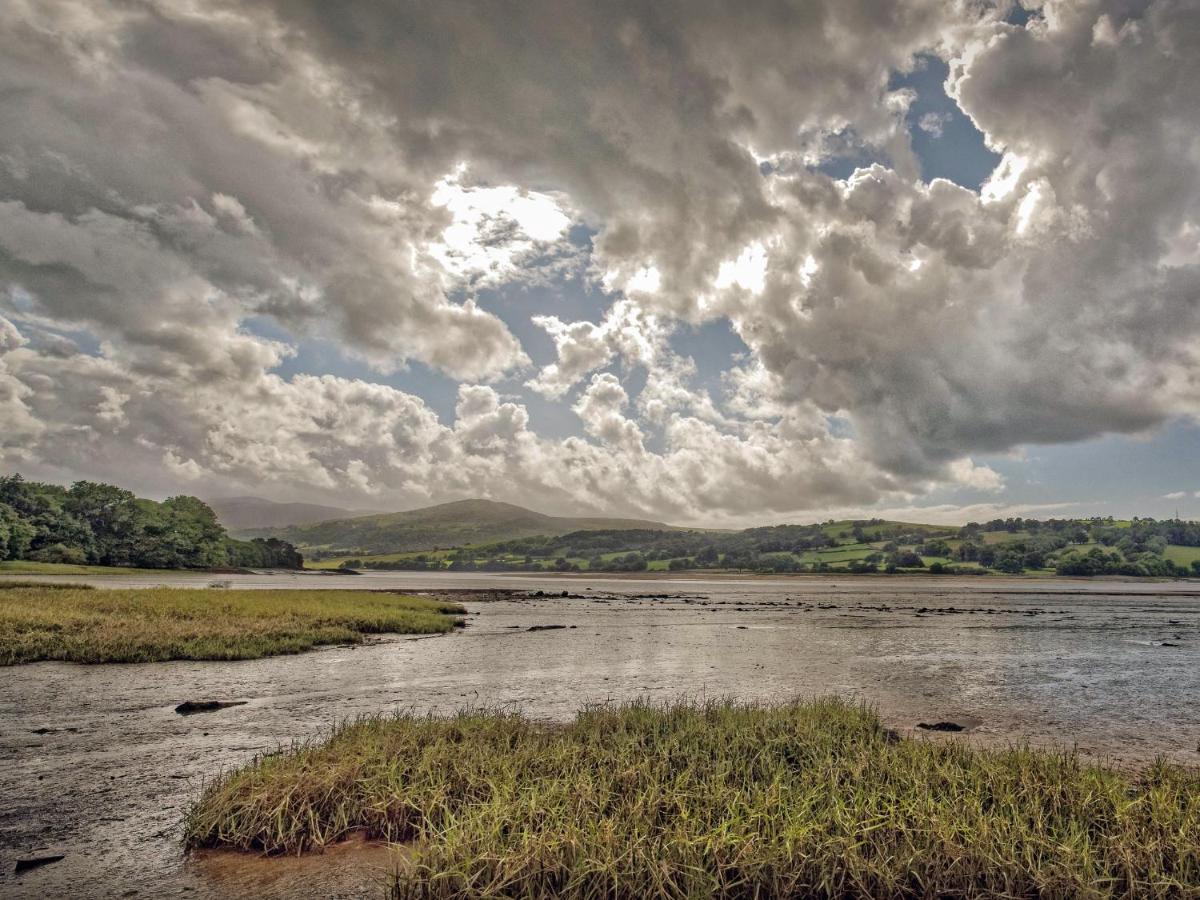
191,707
33,862
941,726
465,595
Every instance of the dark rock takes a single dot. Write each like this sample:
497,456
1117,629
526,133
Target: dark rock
940,726
544,627
891,736
33,862
191,707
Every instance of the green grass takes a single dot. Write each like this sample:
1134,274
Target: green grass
28,567
715,799
1004,537
77,624
1183,556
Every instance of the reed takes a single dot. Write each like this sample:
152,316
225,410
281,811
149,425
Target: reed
713,799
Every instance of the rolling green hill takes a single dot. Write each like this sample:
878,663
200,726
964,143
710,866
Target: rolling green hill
445,525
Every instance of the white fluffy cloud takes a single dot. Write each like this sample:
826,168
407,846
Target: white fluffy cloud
173,175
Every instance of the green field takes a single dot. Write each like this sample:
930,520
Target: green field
840,554
1003,537
1184,556
79,624
713,800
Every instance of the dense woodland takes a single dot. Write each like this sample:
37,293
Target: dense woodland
100,524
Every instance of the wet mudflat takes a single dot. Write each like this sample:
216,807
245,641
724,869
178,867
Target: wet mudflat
97,765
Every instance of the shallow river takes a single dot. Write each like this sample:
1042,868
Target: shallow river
96,765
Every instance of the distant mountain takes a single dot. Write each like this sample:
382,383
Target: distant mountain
245,513
446,525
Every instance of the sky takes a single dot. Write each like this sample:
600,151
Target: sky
700,262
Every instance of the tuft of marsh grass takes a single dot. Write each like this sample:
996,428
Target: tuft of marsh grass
75,623
714,799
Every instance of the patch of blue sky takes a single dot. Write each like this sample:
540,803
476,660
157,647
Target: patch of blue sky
1018,15
20,299
58,341
320,356
840,426
21,303
1113,475
82,339
944,139
571,299
714,347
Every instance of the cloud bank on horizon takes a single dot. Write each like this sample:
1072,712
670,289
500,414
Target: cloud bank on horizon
193,195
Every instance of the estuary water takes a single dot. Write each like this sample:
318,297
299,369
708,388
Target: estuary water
95,764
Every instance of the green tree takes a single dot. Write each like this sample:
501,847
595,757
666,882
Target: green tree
195,529
15,534
113,517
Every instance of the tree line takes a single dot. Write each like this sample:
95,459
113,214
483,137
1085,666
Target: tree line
101,524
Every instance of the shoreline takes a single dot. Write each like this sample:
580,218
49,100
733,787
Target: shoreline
992,583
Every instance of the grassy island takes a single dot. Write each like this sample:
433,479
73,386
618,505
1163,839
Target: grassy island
713,800
76,623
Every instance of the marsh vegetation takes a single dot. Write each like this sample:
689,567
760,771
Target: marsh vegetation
75,623
715,799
